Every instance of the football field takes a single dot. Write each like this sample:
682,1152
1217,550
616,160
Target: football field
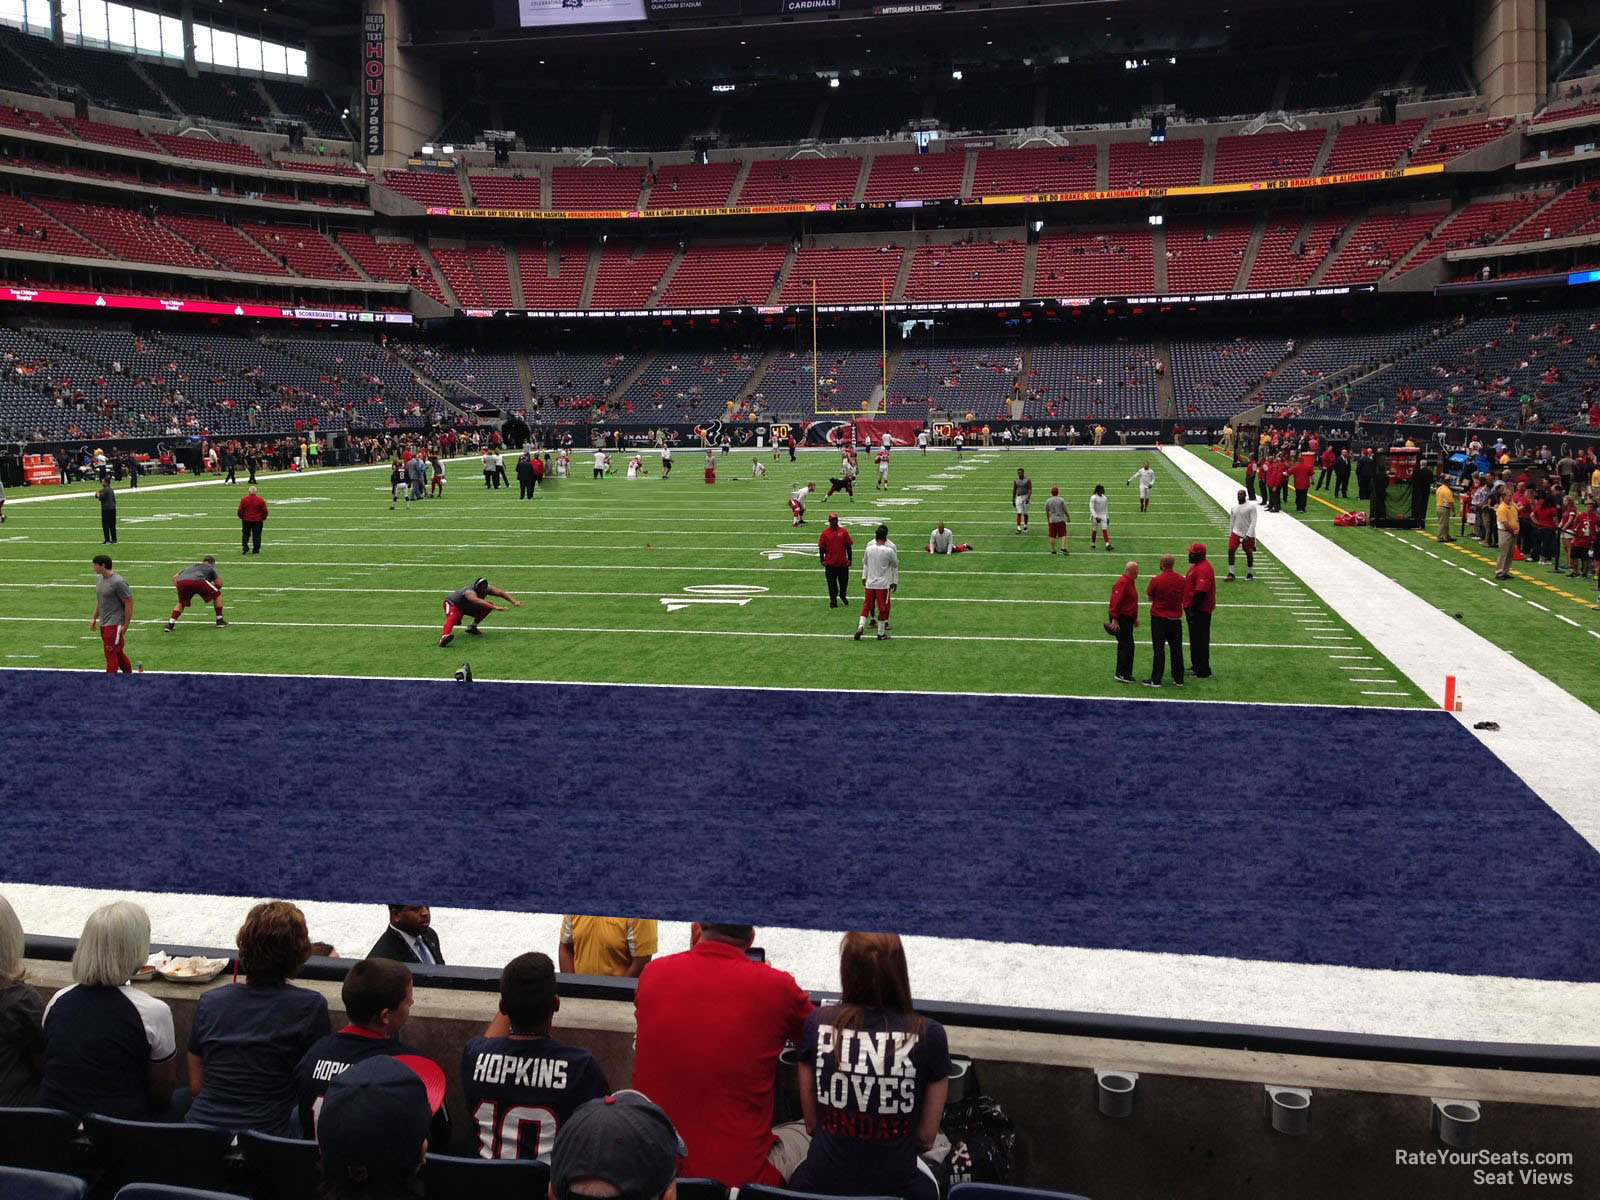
673,581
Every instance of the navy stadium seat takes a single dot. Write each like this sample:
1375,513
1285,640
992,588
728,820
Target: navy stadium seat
447,1178
162,1191
758,1191
39,1138
281,1168
701,1189
1004,1191
16,1183
176,1154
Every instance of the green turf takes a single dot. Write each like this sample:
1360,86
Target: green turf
346,586
1458,578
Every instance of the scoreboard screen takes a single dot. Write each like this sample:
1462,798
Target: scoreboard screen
538,14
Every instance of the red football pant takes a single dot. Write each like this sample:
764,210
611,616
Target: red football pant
111,639
878,597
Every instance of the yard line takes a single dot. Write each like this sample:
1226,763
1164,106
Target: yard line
1536,604
1374,681
755,633
811,598
1385,693
1568,620
1349,656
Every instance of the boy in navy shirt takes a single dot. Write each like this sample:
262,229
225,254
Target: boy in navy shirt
377,999
521,1084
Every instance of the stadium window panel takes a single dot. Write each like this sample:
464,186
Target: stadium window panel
297,63
31,16
146,31
119,26
92,19
249,53
225,48
273,58
171,37
202,43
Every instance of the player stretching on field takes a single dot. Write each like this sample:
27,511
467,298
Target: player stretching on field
797,502
847,485
758,469
880,576
199,580
1099,516
1242,532
882,460
1055,512
1021,497
1147,480
436,488
474,602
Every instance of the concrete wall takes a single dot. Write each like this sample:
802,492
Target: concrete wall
1197,1131
413,107
1508,55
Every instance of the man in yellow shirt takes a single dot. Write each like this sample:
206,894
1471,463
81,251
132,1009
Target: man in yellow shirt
1505,515
1444,505
606,945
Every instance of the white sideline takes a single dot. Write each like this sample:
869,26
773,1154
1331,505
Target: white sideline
1427,644
1129,982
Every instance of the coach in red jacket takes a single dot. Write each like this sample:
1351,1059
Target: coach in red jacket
252,515
1165,591
1199,601
1300,474
1123,616
1273,475
834,547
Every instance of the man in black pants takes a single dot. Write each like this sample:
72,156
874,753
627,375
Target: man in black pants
835,549
1165,593
1199,600
1341,475
524,477
108,513
1124,615
1364,476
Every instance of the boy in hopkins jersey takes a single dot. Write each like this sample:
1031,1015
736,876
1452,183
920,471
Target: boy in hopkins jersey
521,1085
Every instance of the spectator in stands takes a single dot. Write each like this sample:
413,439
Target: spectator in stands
619,946
516,1067
868,1044
711,1024
21,1018
373,1128
109,1047
621,1146
377,997
248,1037
410,937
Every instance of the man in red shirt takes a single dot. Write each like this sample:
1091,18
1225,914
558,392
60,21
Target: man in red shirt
710,1026
1273,475
1300,473
1165,592
1199,601
835,549
1328,459
1123,615
252,515
1585,527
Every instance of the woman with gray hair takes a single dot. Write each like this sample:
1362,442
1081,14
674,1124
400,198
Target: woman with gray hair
108,1047
21,1018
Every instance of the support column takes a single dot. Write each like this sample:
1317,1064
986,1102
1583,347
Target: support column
412,104
1508,55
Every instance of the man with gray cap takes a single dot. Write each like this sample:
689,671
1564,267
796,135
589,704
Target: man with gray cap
372,1128
619,1146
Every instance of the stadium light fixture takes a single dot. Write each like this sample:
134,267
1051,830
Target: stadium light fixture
448,150
427,152
1157,219
1038,226
1289,1109
956,74
834,82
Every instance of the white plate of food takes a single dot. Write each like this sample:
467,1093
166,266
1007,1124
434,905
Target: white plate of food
153,966
195,968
